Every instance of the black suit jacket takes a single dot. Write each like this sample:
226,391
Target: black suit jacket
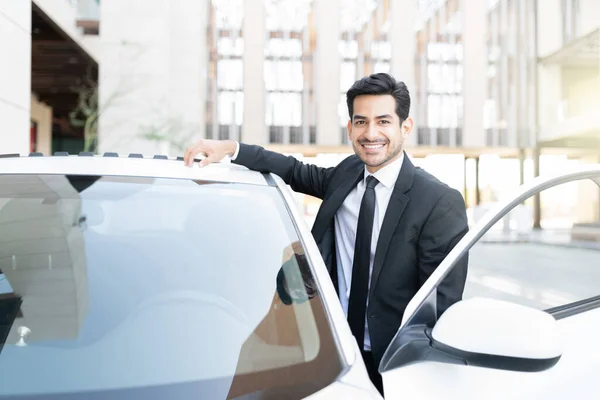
423,222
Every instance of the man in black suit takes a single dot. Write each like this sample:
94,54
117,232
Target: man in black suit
383,226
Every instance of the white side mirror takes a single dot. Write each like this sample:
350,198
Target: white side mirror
498,334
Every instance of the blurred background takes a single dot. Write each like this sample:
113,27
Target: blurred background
502,90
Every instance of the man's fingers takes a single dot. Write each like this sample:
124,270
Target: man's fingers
190,154
186,157
209,159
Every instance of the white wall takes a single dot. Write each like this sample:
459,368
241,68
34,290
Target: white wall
550,27
404,47
15,75
327,60
589,16
474,71
152,74
550,96
550,23
254,126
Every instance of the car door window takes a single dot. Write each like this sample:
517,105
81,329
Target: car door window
547,269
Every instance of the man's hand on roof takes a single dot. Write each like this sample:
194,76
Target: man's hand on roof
213,150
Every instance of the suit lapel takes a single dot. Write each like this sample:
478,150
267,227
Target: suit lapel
333,203
395,209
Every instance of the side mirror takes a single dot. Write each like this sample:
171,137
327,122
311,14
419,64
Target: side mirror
497,334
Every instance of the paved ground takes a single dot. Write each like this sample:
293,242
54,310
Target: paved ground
553,237
534,274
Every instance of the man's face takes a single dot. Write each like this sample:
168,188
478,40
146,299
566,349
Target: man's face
375,130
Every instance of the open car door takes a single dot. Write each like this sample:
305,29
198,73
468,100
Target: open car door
523,341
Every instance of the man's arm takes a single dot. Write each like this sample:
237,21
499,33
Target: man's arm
444,228
304,178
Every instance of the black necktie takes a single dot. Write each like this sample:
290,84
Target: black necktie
359,287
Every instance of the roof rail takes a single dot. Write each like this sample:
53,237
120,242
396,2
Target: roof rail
91,154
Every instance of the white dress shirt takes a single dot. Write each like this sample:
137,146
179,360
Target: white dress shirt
346,221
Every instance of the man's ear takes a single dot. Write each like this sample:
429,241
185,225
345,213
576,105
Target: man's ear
349,128
407,126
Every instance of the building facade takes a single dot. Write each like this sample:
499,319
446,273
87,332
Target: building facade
275,72
495,85
266,72
505,78
15,78
46,61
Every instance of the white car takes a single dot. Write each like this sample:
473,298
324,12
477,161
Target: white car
139,278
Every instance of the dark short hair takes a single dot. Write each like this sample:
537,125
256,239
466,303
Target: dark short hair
380,84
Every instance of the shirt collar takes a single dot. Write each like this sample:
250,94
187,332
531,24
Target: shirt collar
388,175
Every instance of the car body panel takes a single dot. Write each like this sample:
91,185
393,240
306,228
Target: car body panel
573,375
139,167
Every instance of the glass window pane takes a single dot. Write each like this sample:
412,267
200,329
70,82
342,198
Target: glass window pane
290,15
227,47
433,111
138,282
382,50
284,75
284,109
536,270
434,78
226,107
348,48
347,74
277,47
381,66
230,74
229,14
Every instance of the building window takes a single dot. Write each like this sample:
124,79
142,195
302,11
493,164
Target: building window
226,70
288,115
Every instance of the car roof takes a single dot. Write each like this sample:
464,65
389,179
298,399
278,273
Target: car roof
133,165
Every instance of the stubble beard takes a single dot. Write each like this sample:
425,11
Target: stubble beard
385,161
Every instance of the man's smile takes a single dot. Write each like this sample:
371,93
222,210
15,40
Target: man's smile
372,148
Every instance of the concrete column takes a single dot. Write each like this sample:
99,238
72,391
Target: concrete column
465,188
403,40
188,67
549,26
15,75
537,206
474,71
135,76
254,33
477,190
522,157
306,97
327,71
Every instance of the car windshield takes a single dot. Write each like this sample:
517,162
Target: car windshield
139,288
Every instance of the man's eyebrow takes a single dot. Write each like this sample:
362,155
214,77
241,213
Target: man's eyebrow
359,117
388,116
